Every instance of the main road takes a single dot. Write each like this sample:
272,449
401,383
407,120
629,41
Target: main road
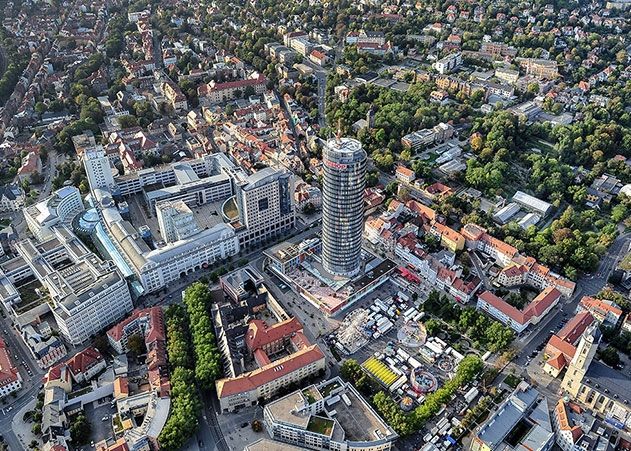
587,285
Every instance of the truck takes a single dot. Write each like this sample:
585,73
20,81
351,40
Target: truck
414,363
381,306
409,312
395,370
383,329
442,423
404,355
471,394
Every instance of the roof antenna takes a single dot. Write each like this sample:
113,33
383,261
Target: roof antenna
338,135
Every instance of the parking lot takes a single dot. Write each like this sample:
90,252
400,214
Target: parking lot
95,413
237,427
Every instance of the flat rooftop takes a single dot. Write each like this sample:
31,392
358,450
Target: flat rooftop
206,216
287,410
509,414
373,273
359,421
287,250
265,444
356,422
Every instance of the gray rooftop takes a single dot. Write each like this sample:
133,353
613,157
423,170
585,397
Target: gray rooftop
602,378
500,424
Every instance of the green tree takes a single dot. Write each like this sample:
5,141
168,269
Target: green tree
136,345
207,358
610,356
80,430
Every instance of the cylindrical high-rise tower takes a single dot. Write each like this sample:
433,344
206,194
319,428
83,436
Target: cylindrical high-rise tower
344,162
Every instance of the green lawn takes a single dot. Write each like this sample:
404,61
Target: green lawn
320,425
512,381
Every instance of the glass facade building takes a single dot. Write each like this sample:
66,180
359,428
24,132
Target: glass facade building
344,162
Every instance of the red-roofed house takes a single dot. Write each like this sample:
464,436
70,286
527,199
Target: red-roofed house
567,434
149,324
605,312
58,376
477,238
427,213
10,379
449,238
516,319
404,174
86,364
230,90
318,57
261,341
270,339
437,191
264,382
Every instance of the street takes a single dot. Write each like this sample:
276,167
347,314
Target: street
320,75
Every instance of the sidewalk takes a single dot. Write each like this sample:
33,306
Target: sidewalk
21,429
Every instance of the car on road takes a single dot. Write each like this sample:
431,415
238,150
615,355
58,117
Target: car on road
105,418
533,354
244,425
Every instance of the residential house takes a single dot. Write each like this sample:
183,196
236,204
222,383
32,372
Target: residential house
604,311
86,364
516,319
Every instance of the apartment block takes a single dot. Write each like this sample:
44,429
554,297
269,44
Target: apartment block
60,208
10,379
516,319
330,416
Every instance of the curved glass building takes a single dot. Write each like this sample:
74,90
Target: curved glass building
344,162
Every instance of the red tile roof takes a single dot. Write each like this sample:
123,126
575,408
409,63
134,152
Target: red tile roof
575,327
156,326
318,54
536,307
406,172
121,387
503,306
514,271
82,361
57,373
8,371
237,84
542,302
421,209
438,188
599,307
565,422
558,346
275,370
259,334
557,361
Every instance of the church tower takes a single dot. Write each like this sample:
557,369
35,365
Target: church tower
585,352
